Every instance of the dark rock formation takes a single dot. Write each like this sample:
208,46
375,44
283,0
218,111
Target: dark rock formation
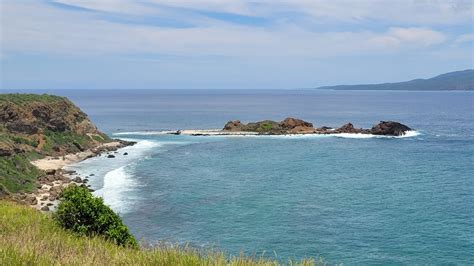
177,132
22,126
6,151
50,171
349,128
389,128
110,156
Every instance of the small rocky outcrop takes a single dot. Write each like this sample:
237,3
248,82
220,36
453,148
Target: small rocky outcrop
291,123
234,125
297,126
390,128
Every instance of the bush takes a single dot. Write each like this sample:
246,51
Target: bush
81,212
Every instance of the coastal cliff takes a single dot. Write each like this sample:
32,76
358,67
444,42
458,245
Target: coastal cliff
40,126
44,124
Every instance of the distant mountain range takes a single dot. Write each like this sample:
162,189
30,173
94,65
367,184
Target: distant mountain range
458,80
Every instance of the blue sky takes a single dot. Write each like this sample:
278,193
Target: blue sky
233,44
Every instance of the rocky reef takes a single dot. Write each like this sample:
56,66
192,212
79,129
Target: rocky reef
297,126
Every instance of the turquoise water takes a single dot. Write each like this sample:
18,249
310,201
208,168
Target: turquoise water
350,200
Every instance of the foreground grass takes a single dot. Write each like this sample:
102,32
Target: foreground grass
28,237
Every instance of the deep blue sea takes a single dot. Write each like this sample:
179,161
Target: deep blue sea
347,199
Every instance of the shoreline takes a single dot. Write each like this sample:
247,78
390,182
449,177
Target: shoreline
55,162
56,178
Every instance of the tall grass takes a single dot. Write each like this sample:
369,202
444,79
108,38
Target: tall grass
17,173
28,237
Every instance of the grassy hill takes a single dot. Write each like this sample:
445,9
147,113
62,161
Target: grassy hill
458,80
28,237
33,126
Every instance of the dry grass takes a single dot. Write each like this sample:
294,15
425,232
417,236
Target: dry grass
28,237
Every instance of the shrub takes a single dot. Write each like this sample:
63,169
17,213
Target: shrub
265,127
81,212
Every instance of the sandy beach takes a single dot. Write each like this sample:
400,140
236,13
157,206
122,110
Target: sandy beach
46,197
50,162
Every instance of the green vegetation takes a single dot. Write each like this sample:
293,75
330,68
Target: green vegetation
22,99
28,237
100,138
84,214
265,127
72,141
20,140
33,155
17,173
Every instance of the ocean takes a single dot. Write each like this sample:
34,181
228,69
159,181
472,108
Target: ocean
351,200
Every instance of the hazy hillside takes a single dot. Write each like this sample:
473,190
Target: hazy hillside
458,80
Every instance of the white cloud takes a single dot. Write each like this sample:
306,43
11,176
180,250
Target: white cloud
464,38
38,28
113,6
399,11
396,37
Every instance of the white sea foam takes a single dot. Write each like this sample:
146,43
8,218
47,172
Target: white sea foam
143,133
408,134
411,133
118,181
142,145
